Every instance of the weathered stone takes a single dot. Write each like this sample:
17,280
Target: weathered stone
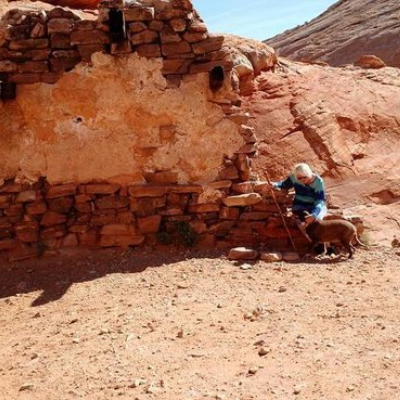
182,4
8,244
271,256
20,253
38,55
34,66
229,213
59,12
254,216
250,148
161,177
8,66
121,240
29,44
370,62
185,189
212,43
137,27
243,187
156,25
147,190
70,240
178,24
60,41
144,37
27,232
149,50
182,47
51,218
53,232
89,238
242,253
229,173
290,257
27,196
61,205
25,78
139,14
85,24
60,25
113,201
167,35
61,190
149,224
203,208
176,66
171,13
118,229
101,188
195,37
242,200
86,50
89,37
64,63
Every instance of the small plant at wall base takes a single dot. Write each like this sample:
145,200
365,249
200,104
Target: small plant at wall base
181,233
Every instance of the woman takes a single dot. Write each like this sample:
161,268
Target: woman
309,192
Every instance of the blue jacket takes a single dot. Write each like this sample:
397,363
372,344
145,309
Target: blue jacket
307,197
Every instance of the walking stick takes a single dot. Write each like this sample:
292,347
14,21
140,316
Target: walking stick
280,212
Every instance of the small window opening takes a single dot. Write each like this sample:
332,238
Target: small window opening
217,77
116,23
8,90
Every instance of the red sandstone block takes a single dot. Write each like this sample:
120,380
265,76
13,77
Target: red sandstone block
255,216
23,252
185,189
61,205
147,190
203,208
213,43
113,201
121,240
78,228
8,244
118,229
89,37
51,218
101,220
11,187
149,50
53,232
230,213
101,188
71,240
139,14
27,232
84,207
150,224
89,238
206,241
61,190
176,66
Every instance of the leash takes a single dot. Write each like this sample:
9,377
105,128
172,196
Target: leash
280,212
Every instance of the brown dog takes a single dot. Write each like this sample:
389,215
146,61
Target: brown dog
334,231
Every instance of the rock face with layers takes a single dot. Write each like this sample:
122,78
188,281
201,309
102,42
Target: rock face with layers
347,30
344,122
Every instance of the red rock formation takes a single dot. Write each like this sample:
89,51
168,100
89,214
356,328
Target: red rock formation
347,30
345,122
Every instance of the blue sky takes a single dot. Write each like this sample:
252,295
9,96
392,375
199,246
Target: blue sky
258,19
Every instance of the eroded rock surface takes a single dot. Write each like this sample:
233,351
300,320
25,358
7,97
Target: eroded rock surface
346,124
347,30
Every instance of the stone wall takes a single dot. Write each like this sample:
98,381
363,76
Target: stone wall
38,218
40,46
126,134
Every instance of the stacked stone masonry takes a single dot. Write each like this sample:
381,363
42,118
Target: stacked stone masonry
37,218
39,46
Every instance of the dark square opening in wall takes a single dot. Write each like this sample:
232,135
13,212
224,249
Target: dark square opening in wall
116,23
8,90
217,77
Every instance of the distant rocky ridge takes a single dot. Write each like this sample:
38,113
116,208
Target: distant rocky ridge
347,30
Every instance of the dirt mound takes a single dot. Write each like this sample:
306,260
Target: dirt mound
347,30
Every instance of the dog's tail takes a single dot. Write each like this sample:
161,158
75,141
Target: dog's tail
357,239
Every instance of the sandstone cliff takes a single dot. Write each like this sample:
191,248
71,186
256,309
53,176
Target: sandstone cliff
348,29
345,122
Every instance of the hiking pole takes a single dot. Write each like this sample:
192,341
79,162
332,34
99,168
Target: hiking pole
280,211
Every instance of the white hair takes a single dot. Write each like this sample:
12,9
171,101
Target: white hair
303,170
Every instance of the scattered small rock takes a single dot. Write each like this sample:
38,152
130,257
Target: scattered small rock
253,370
297,390
26,386
242,253
264,351
290,257
282,289
271,256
